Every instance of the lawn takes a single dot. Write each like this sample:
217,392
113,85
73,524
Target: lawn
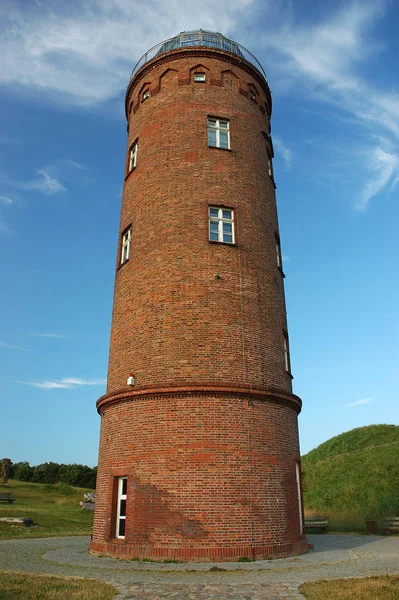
18,586
370,588
54,509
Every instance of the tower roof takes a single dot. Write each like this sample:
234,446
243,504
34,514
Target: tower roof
195,39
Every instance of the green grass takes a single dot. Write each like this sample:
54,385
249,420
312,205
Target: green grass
354,477
369,588
25,586
54,509
356,439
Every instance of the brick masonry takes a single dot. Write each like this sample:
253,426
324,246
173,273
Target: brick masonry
208,435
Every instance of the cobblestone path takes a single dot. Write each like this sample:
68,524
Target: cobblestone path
334,556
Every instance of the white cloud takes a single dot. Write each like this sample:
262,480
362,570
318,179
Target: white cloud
49,335
284,151
84,52
321,61
65,383
360,402
13,347
46,183
49,180
386,170
5,200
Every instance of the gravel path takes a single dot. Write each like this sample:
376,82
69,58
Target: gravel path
334,556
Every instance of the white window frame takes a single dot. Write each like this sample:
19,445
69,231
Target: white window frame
121,496
133,156
279,258
220,220
298,487
215,125
287,362
199,76
126,241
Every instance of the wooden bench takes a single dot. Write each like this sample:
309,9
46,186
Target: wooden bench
391,525
7,498
316,523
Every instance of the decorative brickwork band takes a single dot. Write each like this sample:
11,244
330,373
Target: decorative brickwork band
187,391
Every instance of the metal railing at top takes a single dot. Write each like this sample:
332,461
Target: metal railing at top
191,39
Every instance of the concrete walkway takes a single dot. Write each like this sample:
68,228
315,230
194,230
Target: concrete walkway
334,556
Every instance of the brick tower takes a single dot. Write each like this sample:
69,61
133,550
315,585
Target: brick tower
199,455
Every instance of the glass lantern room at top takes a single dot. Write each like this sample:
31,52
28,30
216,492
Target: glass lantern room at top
192,39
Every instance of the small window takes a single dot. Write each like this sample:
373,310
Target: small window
299,495
218,133
126,238
253,93
199,77
146,94
269,165
278,252
287,364
221,225
121,508
133,156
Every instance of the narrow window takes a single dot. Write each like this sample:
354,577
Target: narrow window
121,508
298,487
146,94
269,165
199,77
133,156
252,92
218,133
287,363
221,225
126,238
278,252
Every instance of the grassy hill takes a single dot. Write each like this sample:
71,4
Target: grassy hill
355,473
54,509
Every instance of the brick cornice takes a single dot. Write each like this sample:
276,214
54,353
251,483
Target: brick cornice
201,51
268,394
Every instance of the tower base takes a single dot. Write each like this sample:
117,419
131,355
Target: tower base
206,476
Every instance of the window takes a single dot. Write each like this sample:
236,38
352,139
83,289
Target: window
287,364
218,133
133,156
278,252
125,253
199,77
221,225
253,92
269,165
146,94
121,508
298,487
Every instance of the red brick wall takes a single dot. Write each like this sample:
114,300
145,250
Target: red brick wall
206,475
205,471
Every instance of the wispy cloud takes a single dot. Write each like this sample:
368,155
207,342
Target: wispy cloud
360,402
49,180
323,60
385,167
83,54
49,335
284,151
65,383
13,347
46,183
5,200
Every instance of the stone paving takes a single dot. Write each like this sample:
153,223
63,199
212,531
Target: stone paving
334,556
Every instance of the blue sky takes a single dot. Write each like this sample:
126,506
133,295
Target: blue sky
332,69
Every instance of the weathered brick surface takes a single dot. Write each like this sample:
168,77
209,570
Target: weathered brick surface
212,472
